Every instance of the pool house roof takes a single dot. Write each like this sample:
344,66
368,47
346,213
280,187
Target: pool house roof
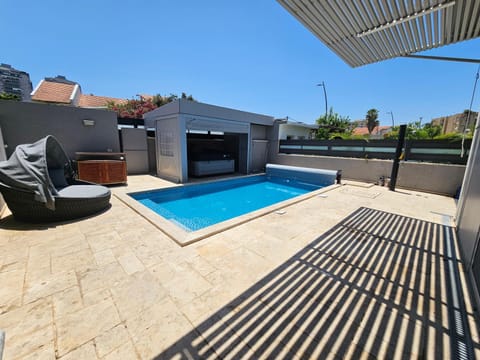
366,31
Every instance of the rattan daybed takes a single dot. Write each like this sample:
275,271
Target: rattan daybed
38,185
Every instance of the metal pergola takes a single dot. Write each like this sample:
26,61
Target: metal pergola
366,31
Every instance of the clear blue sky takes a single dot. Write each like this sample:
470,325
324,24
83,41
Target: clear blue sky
250,55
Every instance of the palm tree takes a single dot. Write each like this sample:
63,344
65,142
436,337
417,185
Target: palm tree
372,122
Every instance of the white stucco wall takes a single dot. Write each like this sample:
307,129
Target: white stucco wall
294,131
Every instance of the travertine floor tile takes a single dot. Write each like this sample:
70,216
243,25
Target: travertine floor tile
49,285
111,340
67,301
86,351
130,263
28,318
11,289
79,327
138,292
21,345
154,329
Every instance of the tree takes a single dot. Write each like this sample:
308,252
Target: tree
372,122
5,96
417,131
432,130
332,124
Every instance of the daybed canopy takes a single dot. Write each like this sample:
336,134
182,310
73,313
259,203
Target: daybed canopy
29,166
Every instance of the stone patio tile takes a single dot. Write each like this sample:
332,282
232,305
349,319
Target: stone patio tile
104,240
11,289
130,263
111,340
46,352
9,265
149,259
19,325
13,257
92,228
91,280
157,328
79,260
59,246
140,291
96,296
104,257
185,284
201,266
244,261
86,351
196,310
38,263
49,285
18,346
124,352
163,271
79,327
149,251
67,301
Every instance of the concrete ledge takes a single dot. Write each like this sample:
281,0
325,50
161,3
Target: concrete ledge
443,179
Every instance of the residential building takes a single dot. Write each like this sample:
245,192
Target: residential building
457,122
294,130
378,132
60,90
15,82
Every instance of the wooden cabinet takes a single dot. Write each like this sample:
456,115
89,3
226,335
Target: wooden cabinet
102,168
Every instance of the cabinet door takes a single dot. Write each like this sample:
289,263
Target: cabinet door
91,171
116,172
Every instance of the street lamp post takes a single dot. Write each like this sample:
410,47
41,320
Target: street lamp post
391,114
325,93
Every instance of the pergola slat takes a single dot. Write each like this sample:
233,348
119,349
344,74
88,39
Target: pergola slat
366,31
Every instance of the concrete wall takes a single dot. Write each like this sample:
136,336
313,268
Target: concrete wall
25,122
258,132
442,179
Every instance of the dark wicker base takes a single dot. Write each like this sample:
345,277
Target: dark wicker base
25,208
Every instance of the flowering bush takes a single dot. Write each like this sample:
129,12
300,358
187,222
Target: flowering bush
133,109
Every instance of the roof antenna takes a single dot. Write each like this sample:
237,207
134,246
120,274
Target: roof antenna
469,113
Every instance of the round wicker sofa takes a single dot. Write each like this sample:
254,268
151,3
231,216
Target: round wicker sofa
76,201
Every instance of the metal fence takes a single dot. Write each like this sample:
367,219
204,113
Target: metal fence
439,151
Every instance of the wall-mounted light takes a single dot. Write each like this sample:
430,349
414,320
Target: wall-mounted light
88,122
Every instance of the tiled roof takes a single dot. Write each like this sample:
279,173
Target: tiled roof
94,101
364,130
55,92
146,96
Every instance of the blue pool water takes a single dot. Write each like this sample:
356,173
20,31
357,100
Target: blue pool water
194,207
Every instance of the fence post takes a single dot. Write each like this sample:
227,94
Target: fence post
396,160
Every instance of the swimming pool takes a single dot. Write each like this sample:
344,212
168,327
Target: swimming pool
196,207
191,212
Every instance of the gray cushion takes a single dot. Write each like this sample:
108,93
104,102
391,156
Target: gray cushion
84,191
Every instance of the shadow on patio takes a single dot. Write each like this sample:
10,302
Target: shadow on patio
377,285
